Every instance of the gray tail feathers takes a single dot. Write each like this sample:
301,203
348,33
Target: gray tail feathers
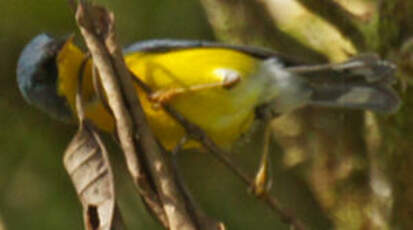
375,97
363,82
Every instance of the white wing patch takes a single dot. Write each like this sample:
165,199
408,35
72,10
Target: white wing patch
229,77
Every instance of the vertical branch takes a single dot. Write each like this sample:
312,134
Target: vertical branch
380,184
124,123
87,163
142,151
395,30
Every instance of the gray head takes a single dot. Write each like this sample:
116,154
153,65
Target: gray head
37,76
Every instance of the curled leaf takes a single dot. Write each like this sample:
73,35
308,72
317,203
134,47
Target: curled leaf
87,163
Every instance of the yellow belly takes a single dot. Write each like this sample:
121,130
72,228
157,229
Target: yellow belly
223,113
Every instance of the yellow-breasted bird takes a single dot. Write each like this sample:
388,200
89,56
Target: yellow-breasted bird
219,87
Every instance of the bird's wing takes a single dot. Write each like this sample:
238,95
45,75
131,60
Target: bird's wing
166,45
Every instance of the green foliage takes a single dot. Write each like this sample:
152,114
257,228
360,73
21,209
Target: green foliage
334,160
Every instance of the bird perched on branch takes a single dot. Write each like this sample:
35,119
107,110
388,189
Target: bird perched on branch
222,88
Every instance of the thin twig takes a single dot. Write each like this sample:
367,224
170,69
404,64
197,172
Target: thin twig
196,133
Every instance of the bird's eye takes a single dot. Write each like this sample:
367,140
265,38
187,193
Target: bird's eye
47,72
49,64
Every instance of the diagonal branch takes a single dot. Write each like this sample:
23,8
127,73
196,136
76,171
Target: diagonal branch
196,133
338,16
249,23
146,159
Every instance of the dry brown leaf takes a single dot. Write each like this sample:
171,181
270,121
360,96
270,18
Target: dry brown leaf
86,160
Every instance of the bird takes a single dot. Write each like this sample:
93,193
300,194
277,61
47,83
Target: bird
222,88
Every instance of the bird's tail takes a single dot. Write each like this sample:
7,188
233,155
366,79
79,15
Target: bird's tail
363,83
375,97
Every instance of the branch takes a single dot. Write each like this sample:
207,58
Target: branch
338,16
145,157
102,58
249,23
196,133
87,163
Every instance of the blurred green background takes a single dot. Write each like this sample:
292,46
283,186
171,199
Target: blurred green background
36,193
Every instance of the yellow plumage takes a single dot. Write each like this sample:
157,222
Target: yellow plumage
223,113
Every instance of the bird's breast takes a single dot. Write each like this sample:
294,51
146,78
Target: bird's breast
223,112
